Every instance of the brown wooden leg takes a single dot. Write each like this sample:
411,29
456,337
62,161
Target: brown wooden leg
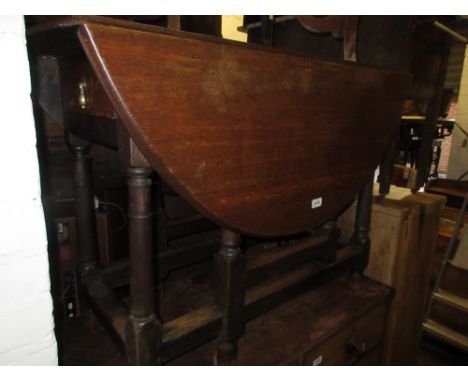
143,333
386,167
84,204
362,225
161,219
229,293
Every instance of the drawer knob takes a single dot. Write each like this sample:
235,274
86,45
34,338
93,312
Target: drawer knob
357,345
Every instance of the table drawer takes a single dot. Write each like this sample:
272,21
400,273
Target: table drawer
352,343
82,92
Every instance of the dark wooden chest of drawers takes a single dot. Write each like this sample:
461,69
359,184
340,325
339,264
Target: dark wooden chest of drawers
339,323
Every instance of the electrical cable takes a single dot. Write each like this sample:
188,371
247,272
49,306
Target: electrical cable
124,215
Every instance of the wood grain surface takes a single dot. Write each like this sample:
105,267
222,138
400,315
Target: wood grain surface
248,136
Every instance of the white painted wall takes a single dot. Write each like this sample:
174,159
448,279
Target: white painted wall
26,322
458,160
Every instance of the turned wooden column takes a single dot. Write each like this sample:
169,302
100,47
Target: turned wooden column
386,167
229,293
161,218
87,247
143,333
362,226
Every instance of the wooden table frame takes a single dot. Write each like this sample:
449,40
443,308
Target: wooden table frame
147,341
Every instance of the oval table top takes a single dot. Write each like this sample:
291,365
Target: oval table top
262,142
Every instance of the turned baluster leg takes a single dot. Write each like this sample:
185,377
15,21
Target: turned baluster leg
143,334
229,292
84,205
362,226
386,167
161,219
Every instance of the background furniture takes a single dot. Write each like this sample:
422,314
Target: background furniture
341,322
445,327
403,242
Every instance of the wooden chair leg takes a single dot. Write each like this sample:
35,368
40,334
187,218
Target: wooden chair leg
229,291
87,247
386,167
362,226
143,333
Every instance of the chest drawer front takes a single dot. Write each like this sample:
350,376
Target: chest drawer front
352,343
372,358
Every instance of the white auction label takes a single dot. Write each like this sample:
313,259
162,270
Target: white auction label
316,203
317,361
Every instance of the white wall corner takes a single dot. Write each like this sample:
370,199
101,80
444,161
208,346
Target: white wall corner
458,159
26,321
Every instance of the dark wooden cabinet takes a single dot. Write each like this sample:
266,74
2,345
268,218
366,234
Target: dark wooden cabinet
353,343
342,322
403,242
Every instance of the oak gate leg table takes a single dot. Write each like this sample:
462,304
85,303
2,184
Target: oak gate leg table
258,140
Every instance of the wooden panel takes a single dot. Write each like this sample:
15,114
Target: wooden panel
447,227
456,281
432,207
446,334
452,214
450,316
452,300
454,190
234,129
386,226
416,243
405,317
403,242
392,233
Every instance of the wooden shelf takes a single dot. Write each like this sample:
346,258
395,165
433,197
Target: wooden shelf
446,334
452,300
